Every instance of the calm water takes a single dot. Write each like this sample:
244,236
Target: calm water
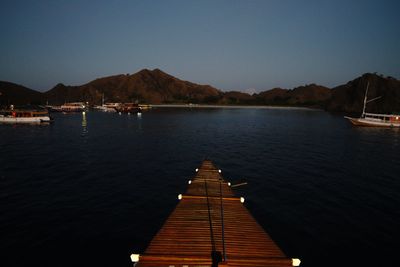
91,189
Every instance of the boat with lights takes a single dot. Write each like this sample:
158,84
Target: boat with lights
73,107
23,115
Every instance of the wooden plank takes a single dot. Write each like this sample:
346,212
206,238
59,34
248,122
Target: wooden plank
210,218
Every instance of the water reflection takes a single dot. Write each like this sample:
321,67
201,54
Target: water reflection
84,124
139,121
379,134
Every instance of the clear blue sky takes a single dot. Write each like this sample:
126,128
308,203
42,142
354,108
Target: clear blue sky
232,45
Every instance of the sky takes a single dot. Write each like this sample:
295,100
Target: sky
246,46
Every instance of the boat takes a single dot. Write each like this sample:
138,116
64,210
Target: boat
51,108
73,107
108,107
145,106
12,115
375,119
128,108
210,227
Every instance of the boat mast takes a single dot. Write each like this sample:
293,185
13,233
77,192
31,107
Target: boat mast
365,101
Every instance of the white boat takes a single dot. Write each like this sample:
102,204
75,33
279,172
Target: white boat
145,106
73,107
108,107
375,119
24,116
51,108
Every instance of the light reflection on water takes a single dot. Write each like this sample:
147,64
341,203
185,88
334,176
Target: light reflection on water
84,124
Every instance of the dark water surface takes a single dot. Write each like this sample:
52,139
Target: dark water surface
91,189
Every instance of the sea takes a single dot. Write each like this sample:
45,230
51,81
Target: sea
92,188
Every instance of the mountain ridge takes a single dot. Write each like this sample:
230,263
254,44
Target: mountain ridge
349,97
157,87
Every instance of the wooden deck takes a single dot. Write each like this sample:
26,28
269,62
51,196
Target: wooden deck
200,225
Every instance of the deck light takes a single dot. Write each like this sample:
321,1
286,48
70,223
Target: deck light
135,257
197,170
180,196
190,181
219,171
296,262
242,199
229,184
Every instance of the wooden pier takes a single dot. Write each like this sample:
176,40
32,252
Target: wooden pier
211,227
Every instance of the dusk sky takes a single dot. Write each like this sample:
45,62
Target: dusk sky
231,45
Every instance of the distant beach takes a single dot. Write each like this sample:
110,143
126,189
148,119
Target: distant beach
228,106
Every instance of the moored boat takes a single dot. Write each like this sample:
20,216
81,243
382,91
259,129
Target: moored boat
51,108
128,108
375,119
73,107
24,116
144,106
108,107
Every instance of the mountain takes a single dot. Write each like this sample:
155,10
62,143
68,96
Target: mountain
311,95
349,97
157,87
11,93
236,98
150,86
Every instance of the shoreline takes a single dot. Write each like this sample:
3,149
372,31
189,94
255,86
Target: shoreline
229,106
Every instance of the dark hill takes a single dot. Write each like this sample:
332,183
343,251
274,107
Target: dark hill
150,86
270,95
61,94
11,93
349,98
157,87
236,98
311,95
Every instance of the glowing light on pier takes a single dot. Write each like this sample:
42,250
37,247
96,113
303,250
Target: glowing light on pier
296,262
135,257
